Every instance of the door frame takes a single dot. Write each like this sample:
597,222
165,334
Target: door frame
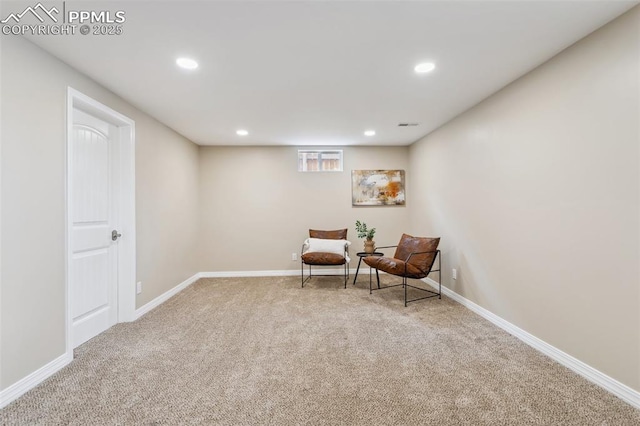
126,289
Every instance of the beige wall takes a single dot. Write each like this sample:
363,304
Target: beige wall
257,208
166,208
535,192
32,286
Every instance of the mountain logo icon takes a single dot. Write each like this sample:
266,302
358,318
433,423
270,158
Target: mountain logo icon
38,11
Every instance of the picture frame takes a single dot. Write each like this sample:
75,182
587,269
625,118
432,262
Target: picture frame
378,188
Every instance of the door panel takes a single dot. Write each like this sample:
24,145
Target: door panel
84,236
93,266
90,279
90,175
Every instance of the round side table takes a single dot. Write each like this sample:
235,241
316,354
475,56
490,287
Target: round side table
362,254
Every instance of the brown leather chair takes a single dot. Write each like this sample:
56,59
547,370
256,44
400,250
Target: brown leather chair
414,258
340,256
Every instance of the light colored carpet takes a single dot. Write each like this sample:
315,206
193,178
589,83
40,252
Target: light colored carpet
250,351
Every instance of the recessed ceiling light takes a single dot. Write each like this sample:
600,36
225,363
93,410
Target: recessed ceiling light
186,63
242,132
370,133
425,67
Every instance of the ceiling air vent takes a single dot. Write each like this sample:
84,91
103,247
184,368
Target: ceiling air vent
407,124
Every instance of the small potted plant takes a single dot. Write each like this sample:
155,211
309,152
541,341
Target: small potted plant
367,233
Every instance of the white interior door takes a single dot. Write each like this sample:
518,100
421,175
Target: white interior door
92,189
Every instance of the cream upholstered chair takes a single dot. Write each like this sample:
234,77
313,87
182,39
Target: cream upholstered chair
325,248
414,258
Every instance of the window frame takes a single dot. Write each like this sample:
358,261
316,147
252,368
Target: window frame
320,152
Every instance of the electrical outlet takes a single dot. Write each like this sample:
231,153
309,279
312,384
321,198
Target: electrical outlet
454,273
139,287
294,256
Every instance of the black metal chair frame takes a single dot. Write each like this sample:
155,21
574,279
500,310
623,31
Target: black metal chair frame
404,282
346,268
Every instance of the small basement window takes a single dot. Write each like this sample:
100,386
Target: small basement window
320,160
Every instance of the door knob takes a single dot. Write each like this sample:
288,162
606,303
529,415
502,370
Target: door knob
115,235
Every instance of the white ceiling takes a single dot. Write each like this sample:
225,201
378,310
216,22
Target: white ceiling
321,72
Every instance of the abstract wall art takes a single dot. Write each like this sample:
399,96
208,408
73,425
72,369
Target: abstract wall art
377,188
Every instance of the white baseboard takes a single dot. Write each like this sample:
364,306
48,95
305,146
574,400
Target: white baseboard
22,386
274,273
231,274
620,390
166,296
